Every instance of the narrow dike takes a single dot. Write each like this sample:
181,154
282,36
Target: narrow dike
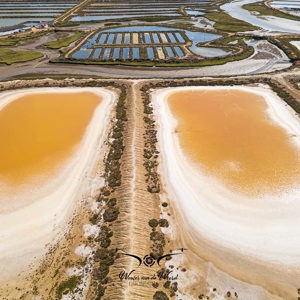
127,208
137,207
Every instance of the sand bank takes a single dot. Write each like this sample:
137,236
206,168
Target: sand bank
296,44
42,212
269,23
263,230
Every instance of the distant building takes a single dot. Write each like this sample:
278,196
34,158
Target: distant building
290,8
26,29
41,25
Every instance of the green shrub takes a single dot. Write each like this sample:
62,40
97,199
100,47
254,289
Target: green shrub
105,242
100,292
67,285
159,295
163,223
94,219
153,223
111,214
224,21
112,202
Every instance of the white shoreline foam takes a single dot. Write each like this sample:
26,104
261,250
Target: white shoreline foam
25,232
267,229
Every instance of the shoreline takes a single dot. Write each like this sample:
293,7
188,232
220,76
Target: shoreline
264,237
268,24
47,216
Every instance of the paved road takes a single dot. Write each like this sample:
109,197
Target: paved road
43,67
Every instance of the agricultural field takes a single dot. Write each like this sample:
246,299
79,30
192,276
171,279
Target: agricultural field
16,12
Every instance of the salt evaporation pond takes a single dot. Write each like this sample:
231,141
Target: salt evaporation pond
230,136
6,22
230,162
110,17
39,131
194,37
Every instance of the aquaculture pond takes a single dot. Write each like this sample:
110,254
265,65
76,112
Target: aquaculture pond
150,53
96,54
82,54
6,22
100,10
210,52
178,51
158,37
286,5
15,13
135,53
126,53
170,52
110,17
116,54
193,12
106,54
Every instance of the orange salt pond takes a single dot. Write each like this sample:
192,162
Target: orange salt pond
39,131
230,136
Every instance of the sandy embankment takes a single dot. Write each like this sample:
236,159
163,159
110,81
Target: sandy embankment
250,239
42,214
296,44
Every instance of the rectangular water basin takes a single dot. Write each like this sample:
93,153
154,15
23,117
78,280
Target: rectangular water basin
163,38
126,52
116,53
179,37
170,52
178,51
155,38
106,54
102,38
119,38
135,53
110,38
127,38
82,54
150,53
147,38
96,54
172,37
160,53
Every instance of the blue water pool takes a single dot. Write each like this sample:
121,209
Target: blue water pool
150,53
96,54
135,53
82,54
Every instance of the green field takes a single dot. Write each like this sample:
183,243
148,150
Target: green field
225,22
267,11
8,42
64,42
9,56
284,43
11,41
